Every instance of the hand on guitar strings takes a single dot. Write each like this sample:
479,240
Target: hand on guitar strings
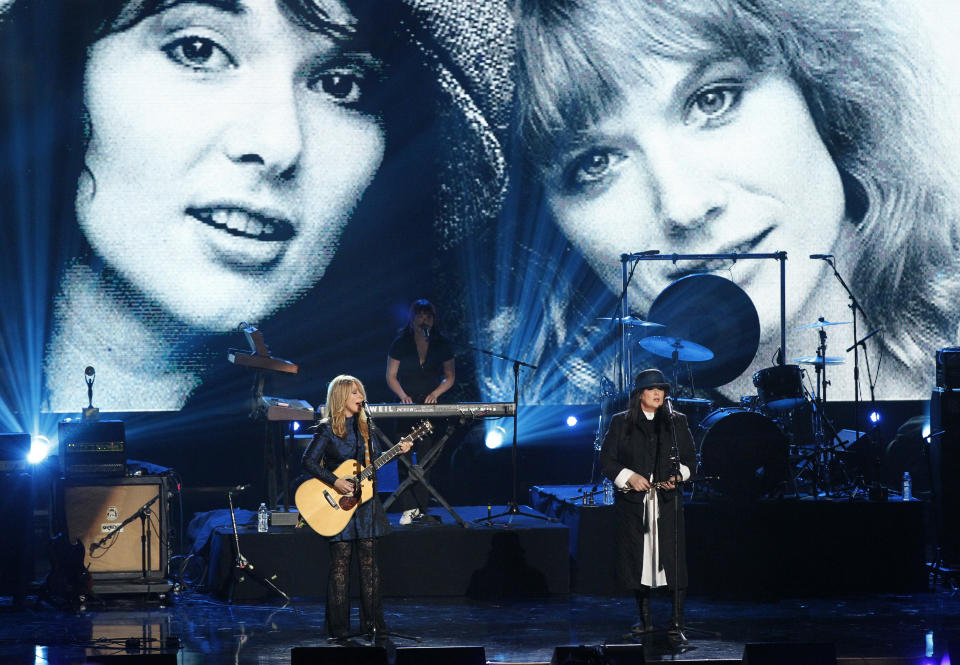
345,486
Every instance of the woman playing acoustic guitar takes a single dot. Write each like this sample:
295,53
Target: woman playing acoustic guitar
343,436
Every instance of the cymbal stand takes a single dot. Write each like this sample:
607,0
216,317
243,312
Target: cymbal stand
820,462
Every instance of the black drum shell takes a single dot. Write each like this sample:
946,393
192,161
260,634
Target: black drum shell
744,451
779,388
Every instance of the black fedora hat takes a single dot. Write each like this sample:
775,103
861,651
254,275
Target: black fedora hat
650,378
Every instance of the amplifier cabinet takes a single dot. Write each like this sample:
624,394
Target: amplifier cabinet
94,508
945,462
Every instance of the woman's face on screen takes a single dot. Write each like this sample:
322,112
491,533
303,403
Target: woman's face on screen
703,157
229,147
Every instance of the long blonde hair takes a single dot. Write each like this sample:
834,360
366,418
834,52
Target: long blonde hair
337,393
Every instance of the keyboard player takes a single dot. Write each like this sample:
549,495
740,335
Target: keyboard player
420,369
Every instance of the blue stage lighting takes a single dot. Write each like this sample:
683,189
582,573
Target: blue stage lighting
296,426
39,449
874,417
496,435
925,432
571,421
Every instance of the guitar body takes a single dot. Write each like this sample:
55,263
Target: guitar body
326,510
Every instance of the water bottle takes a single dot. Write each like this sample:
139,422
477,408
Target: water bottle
607,492
263,519
907,486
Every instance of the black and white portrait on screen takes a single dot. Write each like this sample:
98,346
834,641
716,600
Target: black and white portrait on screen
207,163
720,127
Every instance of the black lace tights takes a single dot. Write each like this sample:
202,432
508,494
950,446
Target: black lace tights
338,588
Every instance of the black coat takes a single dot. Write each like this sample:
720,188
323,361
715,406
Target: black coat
627,446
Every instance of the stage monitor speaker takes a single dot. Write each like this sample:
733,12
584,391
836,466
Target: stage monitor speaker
782,653
338,656
441,656
133,659
608,654
93,509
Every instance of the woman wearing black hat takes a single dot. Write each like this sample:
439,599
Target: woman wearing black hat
636,456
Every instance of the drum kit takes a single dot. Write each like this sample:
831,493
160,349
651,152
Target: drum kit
771,443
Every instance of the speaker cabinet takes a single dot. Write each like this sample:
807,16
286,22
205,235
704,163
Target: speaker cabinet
774,653
338,656
441,656
945,462
134,509
605,654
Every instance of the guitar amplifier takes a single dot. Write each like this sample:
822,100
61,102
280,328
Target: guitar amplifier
94,448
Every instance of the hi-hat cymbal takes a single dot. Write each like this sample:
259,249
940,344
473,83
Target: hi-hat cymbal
632,321
821,324
816,360
686,351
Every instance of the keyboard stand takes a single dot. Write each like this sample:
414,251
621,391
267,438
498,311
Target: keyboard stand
417,474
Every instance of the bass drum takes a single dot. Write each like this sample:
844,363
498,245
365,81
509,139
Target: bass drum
744,451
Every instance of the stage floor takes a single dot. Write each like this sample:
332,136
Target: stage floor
878,629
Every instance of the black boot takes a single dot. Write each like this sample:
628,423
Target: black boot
675,633
643,624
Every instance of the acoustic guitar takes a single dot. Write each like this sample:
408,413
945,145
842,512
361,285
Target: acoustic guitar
326,510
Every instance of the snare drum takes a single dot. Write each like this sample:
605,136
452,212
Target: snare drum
779,388
745,450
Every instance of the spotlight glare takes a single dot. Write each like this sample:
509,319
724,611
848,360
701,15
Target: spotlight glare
495,437
296,426
39,449
571,421
925,432
874,417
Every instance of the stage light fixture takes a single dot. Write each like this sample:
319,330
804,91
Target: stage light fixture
572,421
296,426
496,435
40,447
874,417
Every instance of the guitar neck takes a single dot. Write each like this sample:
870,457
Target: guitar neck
380,461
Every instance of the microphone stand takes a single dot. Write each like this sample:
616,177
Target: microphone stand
375,635
143,512
513,508
854,308
677,507
241,563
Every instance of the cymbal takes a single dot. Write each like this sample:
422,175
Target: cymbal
816,360
717,314
822,324
632,321
686,351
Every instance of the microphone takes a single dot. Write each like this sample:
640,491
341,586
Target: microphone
667,402
426,331
821,256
